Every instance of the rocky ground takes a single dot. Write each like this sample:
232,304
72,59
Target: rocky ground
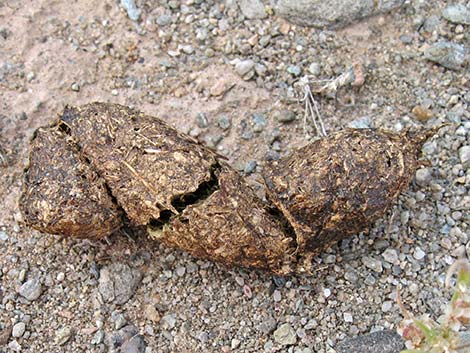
229,73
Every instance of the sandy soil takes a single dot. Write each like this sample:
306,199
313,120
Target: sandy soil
54,53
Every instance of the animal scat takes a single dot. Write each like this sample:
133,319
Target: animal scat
117,139
191,199
62,194
339,186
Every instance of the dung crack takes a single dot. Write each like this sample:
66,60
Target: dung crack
181,202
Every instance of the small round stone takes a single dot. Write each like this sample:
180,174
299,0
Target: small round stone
75,87
294,70
284,116
464,154
423,176
18,329
244,67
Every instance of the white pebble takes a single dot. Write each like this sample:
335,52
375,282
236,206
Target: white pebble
180,271
419,254
60,276
387,305
464,154
18,329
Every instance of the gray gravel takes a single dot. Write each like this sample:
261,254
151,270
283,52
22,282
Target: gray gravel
18,329
179,59
335,13
457,13
132,11
118,282
285,335
252,9
384,342
31,289
447,54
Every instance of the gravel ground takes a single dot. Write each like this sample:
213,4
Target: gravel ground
227,77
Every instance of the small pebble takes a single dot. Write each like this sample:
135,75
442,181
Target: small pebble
387,305
348,317
277,296
201,120
14,346
30,76
60,277
180,271
294,70
240,281
135,345
285,335
390,255
98,337
370,280
361,123
464,154
284,116
119,320
351,276
422,113
373,264
406,39
63,335
168,321
423,176
250,167
247,291
330,259
252,9
457,13
118,282
31,289
224,122
419,254
259,122
235,343
3,236
18,329
164,20
447,54
244,67
151,313
314,69
75,87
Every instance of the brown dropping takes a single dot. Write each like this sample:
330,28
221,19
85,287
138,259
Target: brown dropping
340,185
147,164
101,158
231,226
61,193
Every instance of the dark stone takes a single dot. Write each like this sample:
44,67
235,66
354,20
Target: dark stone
377,342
